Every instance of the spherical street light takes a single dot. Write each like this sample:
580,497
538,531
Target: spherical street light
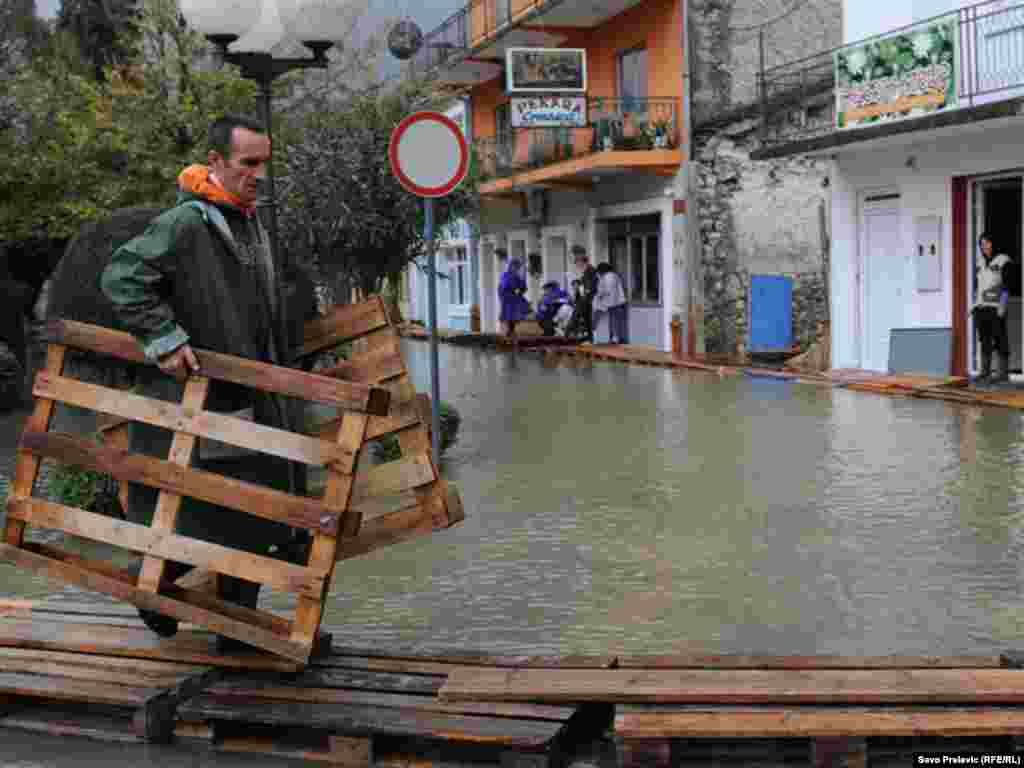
321,22
221,17
271,29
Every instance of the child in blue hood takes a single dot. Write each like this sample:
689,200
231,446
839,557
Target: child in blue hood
554,303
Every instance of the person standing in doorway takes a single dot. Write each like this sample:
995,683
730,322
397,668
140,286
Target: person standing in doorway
511,290
611,300
989,310
588,286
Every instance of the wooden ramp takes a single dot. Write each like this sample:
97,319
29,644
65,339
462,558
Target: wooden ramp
350,515
822,710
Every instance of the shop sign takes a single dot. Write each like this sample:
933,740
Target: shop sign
908,74
549,111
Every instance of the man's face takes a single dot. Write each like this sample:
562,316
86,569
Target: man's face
986,248
250,152
581,263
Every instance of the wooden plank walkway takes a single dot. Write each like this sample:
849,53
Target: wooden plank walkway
954,389
89,668
92,669
811,710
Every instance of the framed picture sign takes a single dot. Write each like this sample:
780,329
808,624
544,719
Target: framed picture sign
546,70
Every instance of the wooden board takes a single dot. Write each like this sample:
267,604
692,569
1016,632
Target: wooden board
795,722
909,686
377,721
172,416
192,647
237,370
296,511
91,721
146,540
343,324
825,661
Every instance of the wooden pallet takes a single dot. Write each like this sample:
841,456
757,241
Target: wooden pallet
328,518
401,499
360,707
95,671
674,709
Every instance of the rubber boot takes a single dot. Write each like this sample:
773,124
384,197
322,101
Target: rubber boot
986,368
165,626
1002,369
240,592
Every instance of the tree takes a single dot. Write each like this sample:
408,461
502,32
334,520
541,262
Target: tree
104,30
80,149
344,208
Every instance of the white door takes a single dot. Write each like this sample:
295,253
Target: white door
488,288
883,283
558,261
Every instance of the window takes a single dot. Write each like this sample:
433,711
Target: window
503,121
458,276
633,79
634,249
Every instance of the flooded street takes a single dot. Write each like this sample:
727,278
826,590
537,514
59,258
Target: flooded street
635,510
617,509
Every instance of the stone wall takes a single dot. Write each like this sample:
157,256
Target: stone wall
755,218
765,217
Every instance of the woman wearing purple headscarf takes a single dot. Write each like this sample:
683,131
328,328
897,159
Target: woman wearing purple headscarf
514,307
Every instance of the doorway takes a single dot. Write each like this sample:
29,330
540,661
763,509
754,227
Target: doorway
998,205
882,277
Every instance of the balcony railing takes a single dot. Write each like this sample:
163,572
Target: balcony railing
470,26
797,99
613,125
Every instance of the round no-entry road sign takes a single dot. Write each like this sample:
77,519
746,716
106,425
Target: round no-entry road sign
428,154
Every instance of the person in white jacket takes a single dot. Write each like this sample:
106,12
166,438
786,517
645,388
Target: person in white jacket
989,310
610,305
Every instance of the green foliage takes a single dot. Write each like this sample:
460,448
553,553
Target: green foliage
77,487
342,201
105,32
72,149
388,450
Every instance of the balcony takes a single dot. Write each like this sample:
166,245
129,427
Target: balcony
468,47
621,135
798,99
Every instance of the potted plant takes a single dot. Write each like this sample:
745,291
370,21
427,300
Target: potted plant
662,134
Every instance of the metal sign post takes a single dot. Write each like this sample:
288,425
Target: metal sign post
429,157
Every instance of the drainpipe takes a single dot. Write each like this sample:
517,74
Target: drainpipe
691,241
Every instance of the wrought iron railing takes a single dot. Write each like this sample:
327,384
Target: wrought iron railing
797,99
470,26
628,124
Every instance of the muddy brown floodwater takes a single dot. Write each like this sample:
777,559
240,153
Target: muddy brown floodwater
616,509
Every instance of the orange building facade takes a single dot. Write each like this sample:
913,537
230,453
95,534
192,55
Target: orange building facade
612,182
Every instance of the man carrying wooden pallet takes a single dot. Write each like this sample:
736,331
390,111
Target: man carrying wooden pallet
203,274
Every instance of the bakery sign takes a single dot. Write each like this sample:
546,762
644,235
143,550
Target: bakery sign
549,111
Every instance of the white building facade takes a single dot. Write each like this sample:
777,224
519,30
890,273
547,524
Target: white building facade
910,197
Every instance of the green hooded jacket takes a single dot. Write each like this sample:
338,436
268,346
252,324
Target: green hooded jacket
201,273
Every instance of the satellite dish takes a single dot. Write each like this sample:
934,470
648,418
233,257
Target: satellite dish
405,39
